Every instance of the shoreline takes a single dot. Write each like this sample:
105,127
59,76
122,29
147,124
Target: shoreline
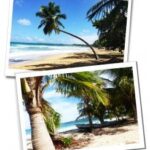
120,135
68,60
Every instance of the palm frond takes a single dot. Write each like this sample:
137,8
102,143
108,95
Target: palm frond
51,117
102,7
41,24
81,85
50,16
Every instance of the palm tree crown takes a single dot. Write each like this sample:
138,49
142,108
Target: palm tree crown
50,21
51,16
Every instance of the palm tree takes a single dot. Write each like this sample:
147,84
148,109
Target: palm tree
110,17
32,96
85,111
43,118
51,16
84,85
124,92
104,7
95,109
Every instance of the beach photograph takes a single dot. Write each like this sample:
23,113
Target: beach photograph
57,34
85,108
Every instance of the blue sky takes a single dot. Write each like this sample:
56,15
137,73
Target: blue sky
67,107
25,23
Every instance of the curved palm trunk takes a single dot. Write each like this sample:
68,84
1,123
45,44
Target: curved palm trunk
96,56
41,139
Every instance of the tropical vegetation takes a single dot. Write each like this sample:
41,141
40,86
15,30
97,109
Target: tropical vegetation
109,17
100,98
51,17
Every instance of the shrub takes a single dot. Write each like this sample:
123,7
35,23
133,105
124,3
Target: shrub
67,141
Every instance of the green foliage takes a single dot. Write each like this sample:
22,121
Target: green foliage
81,85
122,96
51,117
50,18
95,109
67,141
109,17
84,85
97,101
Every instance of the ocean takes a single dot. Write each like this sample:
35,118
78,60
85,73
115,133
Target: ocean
20,52
66,126
71,125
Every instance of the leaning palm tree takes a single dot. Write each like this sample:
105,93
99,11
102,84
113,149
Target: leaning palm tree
50,21
42,116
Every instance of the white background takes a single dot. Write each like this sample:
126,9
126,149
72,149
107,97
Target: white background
139,50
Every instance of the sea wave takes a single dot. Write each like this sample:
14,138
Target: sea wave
29,52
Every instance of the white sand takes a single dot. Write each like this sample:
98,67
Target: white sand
124,135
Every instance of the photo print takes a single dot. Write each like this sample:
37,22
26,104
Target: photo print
95,107
57,34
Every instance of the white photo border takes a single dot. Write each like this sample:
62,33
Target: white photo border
140,145
11,72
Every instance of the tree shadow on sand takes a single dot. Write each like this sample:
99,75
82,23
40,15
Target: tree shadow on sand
112,130
104,59
101,56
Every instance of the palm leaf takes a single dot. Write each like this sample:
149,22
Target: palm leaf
51,117
102,7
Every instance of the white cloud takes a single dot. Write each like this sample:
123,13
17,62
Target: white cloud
24,22
50,94
62,105
33,39
67,110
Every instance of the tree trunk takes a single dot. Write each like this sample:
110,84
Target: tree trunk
96,56
135,112
31,92
101,119
90,121
88,114
40,137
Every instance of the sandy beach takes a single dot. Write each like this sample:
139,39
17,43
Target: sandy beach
70,60
120,135
115,136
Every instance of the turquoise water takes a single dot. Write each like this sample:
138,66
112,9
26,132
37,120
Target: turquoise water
66,126
20,52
